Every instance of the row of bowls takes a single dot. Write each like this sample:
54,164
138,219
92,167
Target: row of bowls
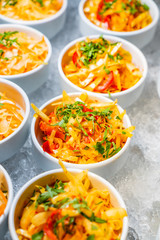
52,25
16,140
11,144
33,79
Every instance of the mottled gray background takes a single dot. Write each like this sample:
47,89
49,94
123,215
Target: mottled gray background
139,181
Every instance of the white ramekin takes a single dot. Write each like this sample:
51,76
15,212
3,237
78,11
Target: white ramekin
11,144
33,79
125,98
48,26
139,37
9,187
46,178
106,168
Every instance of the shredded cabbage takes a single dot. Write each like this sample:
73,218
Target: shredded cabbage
20,53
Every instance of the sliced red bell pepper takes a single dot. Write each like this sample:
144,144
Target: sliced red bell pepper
46,128
75,59
48,227
46,147
55,146
123,89
60,134
106,83
49,232
115,87
85,109
100,16
100,6
107,21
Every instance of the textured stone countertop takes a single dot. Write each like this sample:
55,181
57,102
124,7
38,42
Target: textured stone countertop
139,180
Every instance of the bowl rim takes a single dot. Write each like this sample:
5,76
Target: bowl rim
32,31
79,166
37,22
116,33
116,194
112,39
26,113
10,195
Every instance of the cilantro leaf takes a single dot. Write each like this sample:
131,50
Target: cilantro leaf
1,104
91,237
145,6
39,1
99,147
10,2
37,236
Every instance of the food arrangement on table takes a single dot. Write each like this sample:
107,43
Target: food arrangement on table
86,132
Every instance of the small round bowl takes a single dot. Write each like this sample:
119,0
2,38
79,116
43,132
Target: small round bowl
125,98
46,178
11,144
48,26
8,186
106,168
33,79
140,37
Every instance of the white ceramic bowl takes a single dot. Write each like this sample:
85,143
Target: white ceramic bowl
11,144
106,168
125,98
8,186
45,178
33,79
49,26
139,37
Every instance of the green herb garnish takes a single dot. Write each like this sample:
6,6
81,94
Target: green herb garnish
10,2
91,237
37,236
39,1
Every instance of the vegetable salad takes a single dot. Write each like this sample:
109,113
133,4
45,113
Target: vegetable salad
118,15
29,10
70,210
20,53
11,116
82,130
98,65
3,201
